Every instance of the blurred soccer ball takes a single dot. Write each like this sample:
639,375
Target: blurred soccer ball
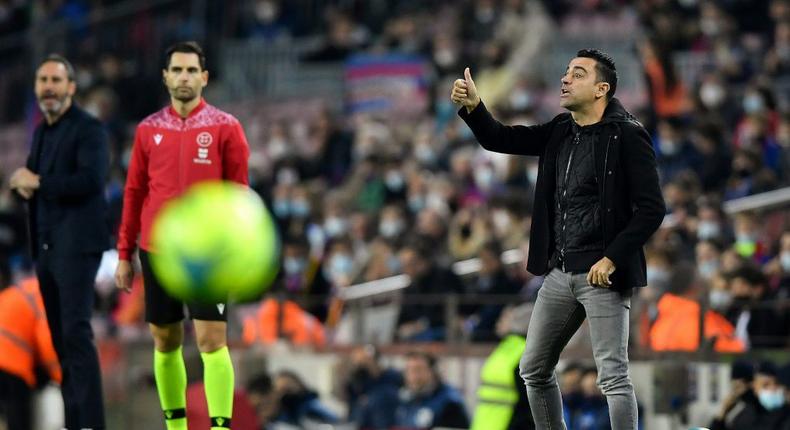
216,243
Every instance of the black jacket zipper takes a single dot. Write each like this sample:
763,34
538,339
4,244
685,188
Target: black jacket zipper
564,201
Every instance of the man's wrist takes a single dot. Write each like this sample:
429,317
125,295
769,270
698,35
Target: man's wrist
476,104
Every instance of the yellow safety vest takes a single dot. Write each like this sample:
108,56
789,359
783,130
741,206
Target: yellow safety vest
498,393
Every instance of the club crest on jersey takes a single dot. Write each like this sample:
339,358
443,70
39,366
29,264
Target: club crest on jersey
158,138
204,139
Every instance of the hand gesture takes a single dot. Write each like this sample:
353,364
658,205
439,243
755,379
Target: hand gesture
465,92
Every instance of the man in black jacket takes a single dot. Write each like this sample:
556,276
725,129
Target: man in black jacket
63,182
597,201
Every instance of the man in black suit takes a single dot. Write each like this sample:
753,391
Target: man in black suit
63,183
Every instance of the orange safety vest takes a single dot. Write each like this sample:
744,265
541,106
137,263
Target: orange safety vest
677,327
25,339
298,326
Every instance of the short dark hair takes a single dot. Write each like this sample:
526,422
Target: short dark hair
425,356
57,58
605,70
190,47
260,384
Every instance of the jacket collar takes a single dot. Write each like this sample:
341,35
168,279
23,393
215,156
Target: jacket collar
192,114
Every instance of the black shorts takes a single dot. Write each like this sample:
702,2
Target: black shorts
162,309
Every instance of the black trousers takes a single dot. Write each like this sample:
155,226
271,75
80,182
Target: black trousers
67,287
15,402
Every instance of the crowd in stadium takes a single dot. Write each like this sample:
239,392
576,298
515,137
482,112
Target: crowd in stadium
362,197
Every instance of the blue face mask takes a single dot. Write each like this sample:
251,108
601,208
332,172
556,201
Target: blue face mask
753,103
772,399
708,230
334,226
340,265
719,299
658,278
394,180
416,203
300,208
281,208
293,266
784,259
708,269
390,228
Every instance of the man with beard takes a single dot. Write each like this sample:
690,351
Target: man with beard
63,182
371,390
597,202
186,142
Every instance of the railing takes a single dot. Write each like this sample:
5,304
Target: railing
763,201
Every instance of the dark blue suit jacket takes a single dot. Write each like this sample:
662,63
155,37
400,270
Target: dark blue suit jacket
72,184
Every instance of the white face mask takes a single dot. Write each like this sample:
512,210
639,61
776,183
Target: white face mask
484,178
708,268
334,226
719,299
708,230
784,259
390,228
394,180
712,95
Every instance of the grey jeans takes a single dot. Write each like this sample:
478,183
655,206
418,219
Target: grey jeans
562,304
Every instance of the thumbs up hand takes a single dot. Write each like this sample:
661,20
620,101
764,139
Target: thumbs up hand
465,92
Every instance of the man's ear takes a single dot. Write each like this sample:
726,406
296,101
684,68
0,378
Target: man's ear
603,89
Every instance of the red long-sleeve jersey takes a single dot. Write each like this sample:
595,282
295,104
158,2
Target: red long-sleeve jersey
171,153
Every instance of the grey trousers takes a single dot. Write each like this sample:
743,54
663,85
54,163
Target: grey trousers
563,302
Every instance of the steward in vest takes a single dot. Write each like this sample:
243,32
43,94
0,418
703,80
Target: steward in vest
502,396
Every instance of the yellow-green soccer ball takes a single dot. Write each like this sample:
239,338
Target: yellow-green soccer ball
216,243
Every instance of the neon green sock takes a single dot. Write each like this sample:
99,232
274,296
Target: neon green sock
218,380
171,382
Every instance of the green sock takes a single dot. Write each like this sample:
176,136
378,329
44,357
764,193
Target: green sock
171,382
218,380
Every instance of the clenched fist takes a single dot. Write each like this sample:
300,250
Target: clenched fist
465,92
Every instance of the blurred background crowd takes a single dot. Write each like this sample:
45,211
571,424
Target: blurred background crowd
370,174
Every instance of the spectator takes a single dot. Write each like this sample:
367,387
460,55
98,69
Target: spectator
677,325
467,233
675,153
304,277
757,321
491,282
570,387
740,409
715,159
26,344
592,412
779,268
262,397
278,319
771,395
502,402
707,254
371,390
298,405
425,401
422,315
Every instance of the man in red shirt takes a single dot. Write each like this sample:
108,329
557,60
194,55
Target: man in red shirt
186,142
